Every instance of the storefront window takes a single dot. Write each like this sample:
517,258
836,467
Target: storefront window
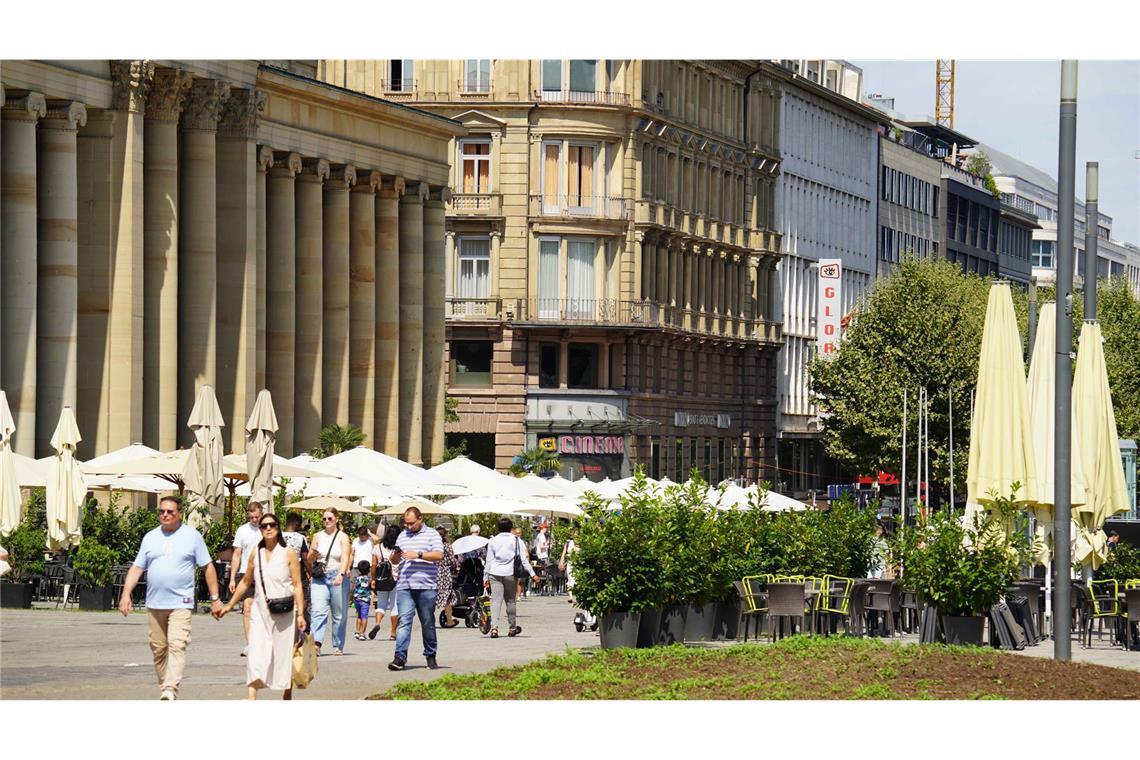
582,365
548,365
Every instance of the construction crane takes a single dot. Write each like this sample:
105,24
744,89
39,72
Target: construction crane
944,95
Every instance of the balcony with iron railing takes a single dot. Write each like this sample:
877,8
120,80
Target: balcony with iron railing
398,89
476,204
579,206
584,97
468,88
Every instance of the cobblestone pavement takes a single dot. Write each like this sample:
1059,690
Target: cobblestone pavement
54,654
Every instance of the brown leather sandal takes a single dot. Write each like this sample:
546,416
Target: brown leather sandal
515,631
494,633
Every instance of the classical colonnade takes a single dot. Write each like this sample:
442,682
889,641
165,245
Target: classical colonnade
158,244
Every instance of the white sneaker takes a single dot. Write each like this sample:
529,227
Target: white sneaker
168,695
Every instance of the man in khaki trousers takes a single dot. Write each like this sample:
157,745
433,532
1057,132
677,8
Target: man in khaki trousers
169,554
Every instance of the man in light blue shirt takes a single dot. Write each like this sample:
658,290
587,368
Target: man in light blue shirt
419,549
169,554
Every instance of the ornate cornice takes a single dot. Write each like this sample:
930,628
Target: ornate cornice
341,177
284,161
65,114
27,107
204,105
264,157
366,182
130,85
314,169
241,113
168,94
392,187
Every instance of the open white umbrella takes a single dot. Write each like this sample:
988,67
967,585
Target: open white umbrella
483,481
373,467
552,507
10,505
466,544
261,435
66,486
532,485
1001,441
203,473
1105,489
137,483
777,502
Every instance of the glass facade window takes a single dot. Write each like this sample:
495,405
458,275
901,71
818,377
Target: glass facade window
478,77
1042,253
582,365
548,355
583,76
471,363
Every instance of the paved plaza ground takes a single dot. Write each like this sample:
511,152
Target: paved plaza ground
56,654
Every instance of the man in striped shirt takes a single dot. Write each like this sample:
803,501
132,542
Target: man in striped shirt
418,551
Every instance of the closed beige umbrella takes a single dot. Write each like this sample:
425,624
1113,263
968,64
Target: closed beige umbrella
66,486
261,435
10,506
203,473
1095,422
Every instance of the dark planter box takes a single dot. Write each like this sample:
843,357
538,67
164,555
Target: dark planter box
647,630
727,625
672,625
700,622
17,595
619,629
96,599
965,629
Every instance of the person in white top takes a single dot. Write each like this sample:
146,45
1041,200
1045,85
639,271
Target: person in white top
362,547
330,554
499,575
246,539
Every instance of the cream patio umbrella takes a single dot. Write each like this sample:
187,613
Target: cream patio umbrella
10,505
332,502
1095,424
483,481
1001,441
203,473
66,485
1040,390
374,467
261,434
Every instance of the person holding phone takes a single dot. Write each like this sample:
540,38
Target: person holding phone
330,554
418,550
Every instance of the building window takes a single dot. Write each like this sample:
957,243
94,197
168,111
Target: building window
583,76
400,75
581,285
474,271
1042,253
720,474
552,76
478,77
551,175
548,354
471,363
476,158
580,171
582,365
549,277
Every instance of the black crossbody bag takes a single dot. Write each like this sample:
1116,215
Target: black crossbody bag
282,603
520,569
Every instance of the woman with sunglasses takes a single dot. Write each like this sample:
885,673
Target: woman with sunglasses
274,572
330,552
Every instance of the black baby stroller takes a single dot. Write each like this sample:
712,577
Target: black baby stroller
468,588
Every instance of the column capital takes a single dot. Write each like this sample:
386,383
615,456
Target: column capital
495,234
168,94
26,107
241,112
392,187
341,177
449,234
264,157
65,114
366,182
285,162
130,85
439,196
415,192
204,105
314,169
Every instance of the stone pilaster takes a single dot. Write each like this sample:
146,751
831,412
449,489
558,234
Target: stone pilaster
687,290
638,264
264,161
662,272
362,305
412,322
280,300
334,394
57,301
198,246
237,260
388,315
434,344
307,394
160,257
18,254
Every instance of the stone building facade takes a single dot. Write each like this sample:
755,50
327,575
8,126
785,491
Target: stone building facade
170,224
909,214
610,258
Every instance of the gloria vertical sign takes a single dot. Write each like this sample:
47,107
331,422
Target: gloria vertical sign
830,305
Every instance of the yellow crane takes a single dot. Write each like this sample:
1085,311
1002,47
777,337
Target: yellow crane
944,93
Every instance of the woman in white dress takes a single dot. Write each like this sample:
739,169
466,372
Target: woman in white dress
275,572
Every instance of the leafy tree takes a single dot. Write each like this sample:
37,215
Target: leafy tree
921,327
337,438
451,452
1119,312
537,461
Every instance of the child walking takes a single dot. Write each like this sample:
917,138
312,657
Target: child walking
362,597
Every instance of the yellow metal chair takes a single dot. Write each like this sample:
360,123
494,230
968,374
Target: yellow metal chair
1104,603
753,592
835,600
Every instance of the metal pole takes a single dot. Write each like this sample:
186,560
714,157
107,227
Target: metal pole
918,454
902,477
951,449
1032,317
926,443
1063,400
1092,172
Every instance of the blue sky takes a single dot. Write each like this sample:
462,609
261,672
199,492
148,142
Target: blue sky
1013,106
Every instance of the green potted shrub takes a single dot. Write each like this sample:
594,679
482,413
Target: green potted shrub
1123,564
93,564
25,547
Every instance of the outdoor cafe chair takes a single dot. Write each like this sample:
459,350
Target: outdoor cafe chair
753,604
834,601
1131,613
52,586
1036,596
884,597
1105,597
786,600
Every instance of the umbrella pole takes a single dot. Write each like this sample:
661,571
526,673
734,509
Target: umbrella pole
951,449
902,478
918,453
926,444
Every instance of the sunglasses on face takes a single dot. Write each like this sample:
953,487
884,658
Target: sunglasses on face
267,525
329,519
168,511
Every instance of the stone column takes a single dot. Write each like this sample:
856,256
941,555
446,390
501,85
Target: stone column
662,271
57,302
198,247
362,305
496,245
264,161
18,263
237,260
388,316
449,269
280,300
743,297
160,258
688,289
434,283
649,269
335,269
412,322
309,357
638,263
